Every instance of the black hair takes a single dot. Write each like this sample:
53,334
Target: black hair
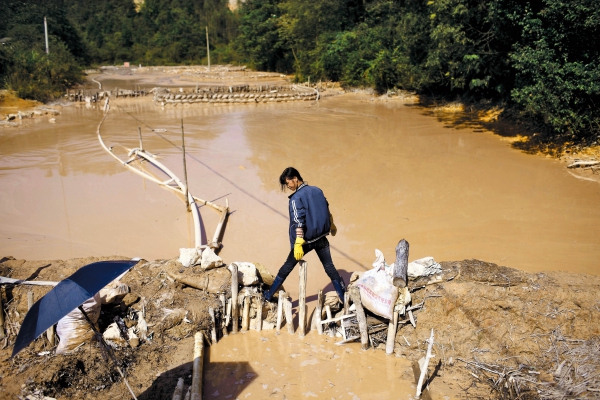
289,173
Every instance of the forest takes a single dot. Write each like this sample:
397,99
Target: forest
540,57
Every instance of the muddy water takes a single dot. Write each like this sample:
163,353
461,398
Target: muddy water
259,366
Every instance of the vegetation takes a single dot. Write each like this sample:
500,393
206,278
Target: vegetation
540,57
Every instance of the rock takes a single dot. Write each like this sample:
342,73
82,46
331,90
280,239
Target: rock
247,274
210,259
188,257
130,299
52,120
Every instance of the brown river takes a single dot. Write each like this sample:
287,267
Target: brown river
388,169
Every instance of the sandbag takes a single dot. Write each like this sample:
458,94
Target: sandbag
424,267
73,329
113,292
377,292
213,281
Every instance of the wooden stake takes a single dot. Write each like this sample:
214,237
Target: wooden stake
197,366
424,366
280,310
225,319
178,393
362,318
329,316
259,312
213,331
391,336
246,314
141,144
2,334
401,264
302,300
50,335
234,298
287,305
319,312
29,300
187,203
346,304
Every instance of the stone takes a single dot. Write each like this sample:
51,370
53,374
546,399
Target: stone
210,260
247,274
189,257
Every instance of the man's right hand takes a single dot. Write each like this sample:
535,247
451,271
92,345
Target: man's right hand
298,250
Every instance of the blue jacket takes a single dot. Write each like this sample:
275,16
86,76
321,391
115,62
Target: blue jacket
309,210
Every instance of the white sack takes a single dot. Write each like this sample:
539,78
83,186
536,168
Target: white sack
247,274
73,329
423,267
377,292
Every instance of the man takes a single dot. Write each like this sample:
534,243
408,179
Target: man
310,223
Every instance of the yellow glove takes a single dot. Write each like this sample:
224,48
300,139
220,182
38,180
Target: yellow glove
298,251
333,227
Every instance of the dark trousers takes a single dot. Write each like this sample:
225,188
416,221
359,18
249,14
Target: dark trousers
321,246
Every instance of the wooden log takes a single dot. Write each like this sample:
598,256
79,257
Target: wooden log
259,312
178,393
234,298
362,318
213,331
224,320
424,366
302,300
329,316
400,273
280,310
227,316
287,305
318,312
197,367
391,336
188,394
29,300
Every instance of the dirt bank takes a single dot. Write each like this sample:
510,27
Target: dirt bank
519,326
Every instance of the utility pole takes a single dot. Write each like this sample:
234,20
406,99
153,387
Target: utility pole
207,49
46,33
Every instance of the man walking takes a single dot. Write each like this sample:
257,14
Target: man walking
310,223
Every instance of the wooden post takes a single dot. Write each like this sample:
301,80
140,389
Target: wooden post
246,314
187,203
178,393
50,335
362,318
234,298
197,367
259,312
302,300
2,334
287,304
346,304
424,366
280,310
331,333
391,336
141,144
225,320
227,317
29,300
401,264
207,49
319,312
213,331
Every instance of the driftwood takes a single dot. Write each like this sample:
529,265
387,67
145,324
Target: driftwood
302,300
424,366
280,310
578,164
362,318
197,367
234,298
289,320
178,393
8,281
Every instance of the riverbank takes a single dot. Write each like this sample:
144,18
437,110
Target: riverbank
493,326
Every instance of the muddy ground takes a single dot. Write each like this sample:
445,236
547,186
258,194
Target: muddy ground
499,332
